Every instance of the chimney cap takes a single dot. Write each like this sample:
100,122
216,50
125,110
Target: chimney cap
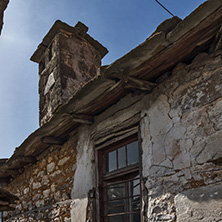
79,29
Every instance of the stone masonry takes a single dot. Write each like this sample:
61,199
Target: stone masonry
181,137
45,188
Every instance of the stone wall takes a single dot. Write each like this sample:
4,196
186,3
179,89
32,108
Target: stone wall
180,127
181,139
44,189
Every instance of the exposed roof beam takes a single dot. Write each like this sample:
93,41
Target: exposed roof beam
82,119
138,84
53,140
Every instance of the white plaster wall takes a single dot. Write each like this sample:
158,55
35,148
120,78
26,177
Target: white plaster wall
181,136
84,179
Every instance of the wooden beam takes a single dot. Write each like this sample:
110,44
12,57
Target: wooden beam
138,84
12,172
54,140
6,208
3,161
6,196
22,160
26,159
4,203
78,118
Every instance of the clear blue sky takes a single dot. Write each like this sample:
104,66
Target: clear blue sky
119,25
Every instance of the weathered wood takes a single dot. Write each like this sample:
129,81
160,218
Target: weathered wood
3,161
6,196
12,172
6,208
78,118
87,95
27,159
20,161
4,203
104,100
219,39
115,137
188,38
53,140
138,84
185,48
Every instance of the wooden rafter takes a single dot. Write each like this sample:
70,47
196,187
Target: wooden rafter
53,140
138,84
78,118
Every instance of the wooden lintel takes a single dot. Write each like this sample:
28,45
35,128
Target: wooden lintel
138,84
53,140
78,118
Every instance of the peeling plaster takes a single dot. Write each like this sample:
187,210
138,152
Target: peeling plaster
85,171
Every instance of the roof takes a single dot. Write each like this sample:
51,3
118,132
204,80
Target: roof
173,41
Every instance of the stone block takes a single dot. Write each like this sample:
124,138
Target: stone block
212,149
200,204
50,167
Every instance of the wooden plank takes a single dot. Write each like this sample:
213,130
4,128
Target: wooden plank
185,48
104,101
27,159
20,161
4,203
53,140
12,172
3,161
78,118
138,84
6,208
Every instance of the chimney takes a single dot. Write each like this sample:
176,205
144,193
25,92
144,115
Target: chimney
68,58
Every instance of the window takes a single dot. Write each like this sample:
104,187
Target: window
119,182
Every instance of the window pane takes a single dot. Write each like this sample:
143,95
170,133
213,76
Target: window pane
132,153
136,199
136,207
122,157
136,187
119,218
116,191
116,202
111,160
116,209
136,217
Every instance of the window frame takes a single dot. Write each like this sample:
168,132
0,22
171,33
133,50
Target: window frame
104,177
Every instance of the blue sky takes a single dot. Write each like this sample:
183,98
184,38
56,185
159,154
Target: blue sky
119,25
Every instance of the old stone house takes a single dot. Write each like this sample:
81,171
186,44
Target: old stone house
138,140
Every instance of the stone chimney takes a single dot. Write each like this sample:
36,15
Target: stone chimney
68,58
